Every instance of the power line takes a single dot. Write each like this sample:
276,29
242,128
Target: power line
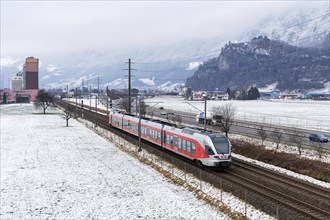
304,22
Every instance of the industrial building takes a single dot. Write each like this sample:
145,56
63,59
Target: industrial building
17,82
24,84
30,71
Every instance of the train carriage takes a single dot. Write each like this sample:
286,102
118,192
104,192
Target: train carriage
211,149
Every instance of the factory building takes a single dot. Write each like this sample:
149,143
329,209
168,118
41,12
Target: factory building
17,81
30,72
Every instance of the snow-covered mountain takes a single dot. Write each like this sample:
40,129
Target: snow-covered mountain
170,65
152,67
303,28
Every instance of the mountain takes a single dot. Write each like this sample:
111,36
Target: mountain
303,28
261,62
153,67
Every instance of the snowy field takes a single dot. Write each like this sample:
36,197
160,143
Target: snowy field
49,171
307,114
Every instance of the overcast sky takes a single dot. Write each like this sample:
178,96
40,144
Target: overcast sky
44,28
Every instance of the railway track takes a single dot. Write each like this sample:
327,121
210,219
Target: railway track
316,194
276,194
304,197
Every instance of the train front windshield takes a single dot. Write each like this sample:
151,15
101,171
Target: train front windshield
221,145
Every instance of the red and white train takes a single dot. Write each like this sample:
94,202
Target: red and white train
210,149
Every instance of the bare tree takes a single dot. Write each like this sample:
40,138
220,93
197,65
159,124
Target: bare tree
299,143
277,137
227,113
297,140
262,133
143,107
68,112
318,148
44,100
124,104
178,119
170,117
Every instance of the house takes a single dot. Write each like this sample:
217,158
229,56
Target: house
317,95
274,94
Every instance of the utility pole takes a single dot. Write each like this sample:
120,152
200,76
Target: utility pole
129,84
90,97
107,100
139,126
95,113
205,116
82,85
87,83
76,97
98,89
205,98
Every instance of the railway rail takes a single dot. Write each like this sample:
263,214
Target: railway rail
276,194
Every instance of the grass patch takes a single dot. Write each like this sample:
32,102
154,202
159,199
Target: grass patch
316,169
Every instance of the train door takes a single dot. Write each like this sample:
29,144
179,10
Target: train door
163,136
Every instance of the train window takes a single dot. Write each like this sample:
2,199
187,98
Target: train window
193,148
171,140
184,145
159,135
167,139
208,150
221,145
179,142
188,146
175,141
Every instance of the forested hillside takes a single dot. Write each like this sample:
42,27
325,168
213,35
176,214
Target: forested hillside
262,61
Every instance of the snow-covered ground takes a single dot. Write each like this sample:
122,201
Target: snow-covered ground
49,171
279,106
305,114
